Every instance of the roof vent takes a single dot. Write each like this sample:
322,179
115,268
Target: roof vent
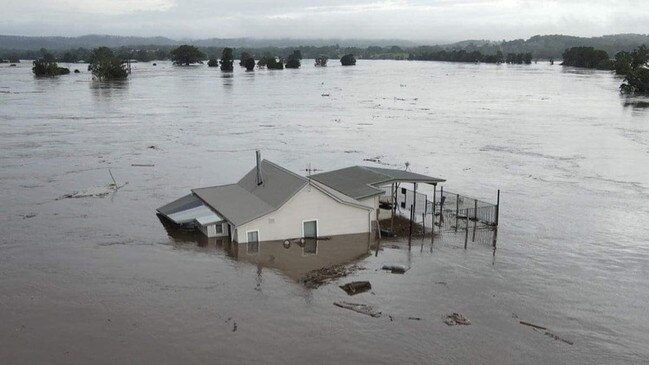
259,177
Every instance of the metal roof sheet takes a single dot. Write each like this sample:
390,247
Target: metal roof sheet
209,219
352,181
188,209
361,182
186,202
233,202
338,195
244,201
405,176
279,184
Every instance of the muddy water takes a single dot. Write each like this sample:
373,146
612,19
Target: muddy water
100,280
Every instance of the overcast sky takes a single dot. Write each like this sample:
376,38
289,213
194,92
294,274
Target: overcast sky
420,20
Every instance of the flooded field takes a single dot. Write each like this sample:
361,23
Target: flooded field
100,280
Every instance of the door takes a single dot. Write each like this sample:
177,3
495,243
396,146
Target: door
310,229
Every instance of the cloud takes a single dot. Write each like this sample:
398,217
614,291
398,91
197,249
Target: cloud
423,20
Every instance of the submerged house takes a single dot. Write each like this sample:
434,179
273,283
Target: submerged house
272,203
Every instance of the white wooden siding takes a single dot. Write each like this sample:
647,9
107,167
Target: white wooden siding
309,203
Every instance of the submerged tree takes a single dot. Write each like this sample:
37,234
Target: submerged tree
212,62
348,60
227,59
586,57
249,63
186,55
271,62
47,67
321,61
244,58
633,65
105,65
294,59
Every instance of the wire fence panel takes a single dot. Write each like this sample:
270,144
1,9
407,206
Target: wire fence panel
450,209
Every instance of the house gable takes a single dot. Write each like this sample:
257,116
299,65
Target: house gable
334,216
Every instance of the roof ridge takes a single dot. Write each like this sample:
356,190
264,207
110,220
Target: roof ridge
286,170
213,186
371,169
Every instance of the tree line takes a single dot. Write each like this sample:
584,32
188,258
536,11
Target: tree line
186,55
474,56
158,48
633,65
105,64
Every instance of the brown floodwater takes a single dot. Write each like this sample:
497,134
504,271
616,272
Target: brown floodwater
101,280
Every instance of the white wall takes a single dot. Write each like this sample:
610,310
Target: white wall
210,230
372,202
309,203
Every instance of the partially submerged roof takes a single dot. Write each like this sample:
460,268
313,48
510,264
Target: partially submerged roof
189,209
244,201
361,182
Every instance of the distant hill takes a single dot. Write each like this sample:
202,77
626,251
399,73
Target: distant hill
546,46
87,41
149,48
23,43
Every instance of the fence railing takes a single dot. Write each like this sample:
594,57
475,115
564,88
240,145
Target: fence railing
447,210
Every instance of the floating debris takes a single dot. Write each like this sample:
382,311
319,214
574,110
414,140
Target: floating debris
93,192
532,325
455,319
545,331
325,94
414,318
29,215
142,165
96,191
395,269
316,278
368,310
550,334
356,287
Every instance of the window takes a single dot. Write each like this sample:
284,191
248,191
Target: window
310,229
253,242
253,236
219,228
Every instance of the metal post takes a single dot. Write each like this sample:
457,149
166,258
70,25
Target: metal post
378,226
423,225
497,207
457,209
394,206
414,200
475,218
410,230
441,206
432,232
466,229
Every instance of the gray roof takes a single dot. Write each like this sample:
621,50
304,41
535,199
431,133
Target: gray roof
279,184
340,197
244,201
361,182
406,176
189,209
186,202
